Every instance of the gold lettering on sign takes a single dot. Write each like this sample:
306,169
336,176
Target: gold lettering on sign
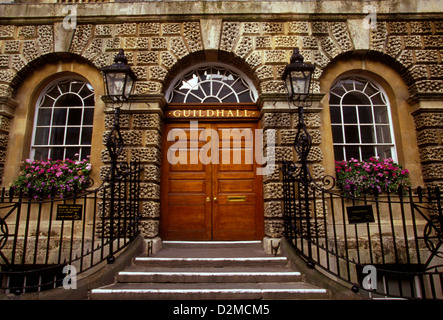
211,113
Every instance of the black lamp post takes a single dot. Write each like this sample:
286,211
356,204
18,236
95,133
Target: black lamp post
119,82
119,78
297,77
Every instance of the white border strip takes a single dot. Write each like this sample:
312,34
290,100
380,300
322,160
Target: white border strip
146,291
255,259
145,273
211,242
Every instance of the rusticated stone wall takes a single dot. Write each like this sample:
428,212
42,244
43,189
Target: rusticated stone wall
141,134
5,124
429,125
285,126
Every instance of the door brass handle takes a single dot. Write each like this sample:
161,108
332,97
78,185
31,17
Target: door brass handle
208,199
215,198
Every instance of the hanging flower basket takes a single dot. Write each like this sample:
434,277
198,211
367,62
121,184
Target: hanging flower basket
46,178
356,178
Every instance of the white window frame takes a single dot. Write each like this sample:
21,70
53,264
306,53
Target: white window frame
51,125
360,144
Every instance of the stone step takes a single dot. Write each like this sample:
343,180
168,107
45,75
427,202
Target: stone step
208,275
211,271
210,262
211,249
209,291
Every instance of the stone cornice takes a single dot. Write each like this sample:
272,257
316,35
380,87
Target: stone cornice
418,97
7,106
146,10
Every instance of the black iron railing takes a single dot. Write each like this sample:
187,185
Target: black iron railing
40,237
393,240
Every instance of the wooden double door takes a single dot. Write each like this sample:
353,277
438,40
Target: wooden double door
210,188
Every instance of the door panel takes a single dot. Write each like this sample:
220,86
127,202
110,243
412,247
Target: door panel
215,200
186,213
237,212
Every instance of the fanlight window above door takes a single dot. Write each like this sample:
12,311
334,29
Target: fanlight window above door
212,84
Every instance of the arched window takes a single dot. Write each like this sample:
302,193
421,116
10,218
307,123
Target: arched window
361,120
63,121
211,84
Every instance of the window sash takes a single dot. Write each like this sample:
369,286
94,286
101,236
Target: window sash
358,127
62,130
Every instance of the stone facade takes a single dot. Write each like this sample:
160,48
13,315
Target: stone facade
256,37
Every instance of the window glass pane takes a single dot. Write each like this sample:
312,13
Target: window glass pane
44,117
352,152
57,136
337,134
90,102
359,84
338,90
41,136
384,152
59,118
85,152
334,99
53,92
351,134
47,102
245,96
72,153
76,86
88,116
338,153
64,86
367,134
381,115
371,89
383,134
86,136
367,152
348,84
58,153
355,98
377,99
41,153
335,114
349,115
365,114
69,100
75,116
72,135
